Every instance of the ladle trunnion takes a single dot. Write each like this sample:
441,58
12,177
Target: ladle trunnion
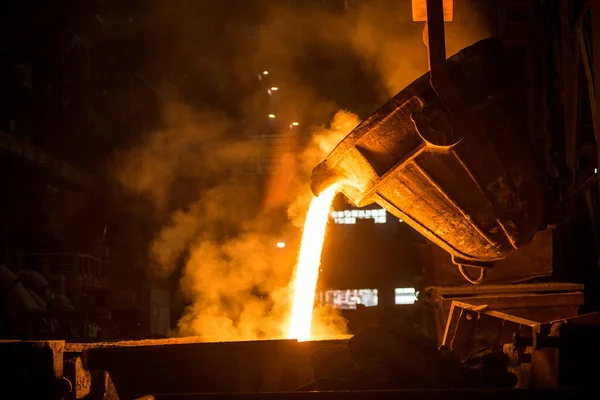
463,174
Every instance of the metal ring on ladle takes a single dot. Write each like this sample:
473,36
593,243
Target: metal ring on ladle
468,277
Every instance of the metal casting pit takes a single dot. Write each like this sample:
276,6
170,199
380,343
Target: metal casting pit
380,357
463,175
187,366
426,394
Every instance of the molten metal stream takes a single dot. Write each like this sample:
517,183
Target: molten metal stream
309,260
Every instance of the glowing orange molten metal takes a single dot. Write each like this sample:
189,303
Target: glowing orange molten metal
309,260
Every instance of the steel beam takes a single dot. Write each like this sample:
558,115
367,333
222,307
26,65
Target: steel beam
595,9
440,82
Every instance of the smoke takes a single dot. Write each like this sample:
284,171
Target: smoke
219,224
394,46
322,141
239,287
193,161
234,276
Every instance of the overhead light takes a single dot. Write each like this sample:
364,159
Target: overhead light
265,72
269,91
271,116
280,245
274,88
295,123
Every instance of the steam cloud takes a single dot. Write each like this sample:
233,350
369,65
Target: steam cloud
234,275
222,223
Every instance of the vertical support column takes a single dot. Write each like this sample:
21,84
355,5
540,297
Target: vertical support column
436,45
436,39
570,72
595,9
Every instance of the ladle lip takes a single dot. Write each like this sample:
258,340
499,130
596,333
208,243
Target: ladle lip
322,177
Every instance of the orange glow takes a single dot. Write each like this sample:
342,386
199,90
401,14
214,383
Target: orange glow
309,260
280,180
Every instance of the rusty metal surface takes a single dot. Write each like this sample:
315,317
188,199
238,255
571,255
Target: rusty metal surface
191,367
539,302
473,332
562,353
78,347
470,186
171,368
381,357
550,287
471,328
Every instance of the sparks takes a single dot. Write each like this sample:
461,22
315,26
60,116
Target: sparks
309,260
